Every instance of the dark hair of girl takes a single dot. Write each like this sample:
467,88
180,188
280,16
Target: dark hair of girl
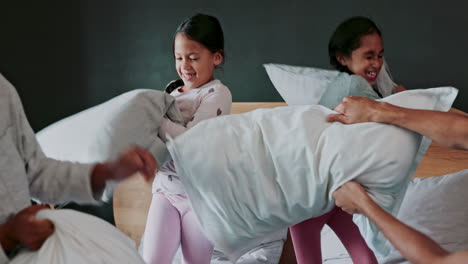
173,85
347,37
204,29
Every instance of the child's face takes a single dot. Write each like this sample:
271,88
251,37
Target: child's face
367,60
195,63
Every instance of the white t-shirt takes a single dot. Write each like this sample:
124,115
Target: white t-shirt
209,100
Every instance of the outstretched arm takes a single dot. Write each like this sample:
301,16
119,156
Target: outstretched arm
447,128
413,245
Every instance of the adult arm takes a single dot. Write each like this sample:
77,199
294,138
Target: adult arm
54,181
447,128
413,245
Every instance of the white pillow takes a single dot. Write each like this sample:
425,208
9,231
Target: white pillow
272,168
299,85
101,132
437,207
80,238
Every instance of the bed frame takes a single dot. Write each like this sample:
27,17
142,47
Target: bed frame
132,198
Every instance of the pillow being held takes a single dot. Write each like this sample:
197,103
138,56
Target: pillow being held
101,132
280,166
299,85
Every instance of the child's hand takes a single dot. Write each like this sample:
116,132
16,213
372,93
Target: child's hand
399,88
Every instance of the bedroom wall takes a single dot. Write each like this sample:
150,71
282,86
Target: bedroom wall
65,56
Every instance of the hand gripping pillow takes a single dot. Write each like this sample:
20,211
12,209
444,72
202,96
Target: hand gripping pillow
80,238
248,175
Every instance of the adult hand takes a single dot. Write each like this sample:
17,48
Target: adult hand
128,163
26,230
351,197
355,109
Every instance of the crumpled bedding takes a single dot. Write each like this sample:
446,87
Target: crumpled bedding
267,252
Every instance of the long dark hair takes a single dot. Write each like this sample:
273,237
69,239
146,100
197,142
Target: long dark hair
347,37
204,29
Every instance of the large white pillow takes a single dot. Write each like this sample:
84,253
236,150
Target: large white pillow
80,238
272,168
299,85
101,132
437,207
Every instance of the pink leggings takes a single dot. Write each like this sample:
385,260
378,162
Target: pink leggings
306,238
171,223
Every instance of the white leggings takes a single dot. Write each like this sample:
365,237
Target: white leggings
171,223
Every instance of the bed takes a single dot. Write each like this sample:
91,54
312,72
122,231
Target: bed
132,197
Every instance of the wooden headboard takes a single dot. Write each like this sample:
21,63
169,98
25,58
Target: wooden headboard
132,198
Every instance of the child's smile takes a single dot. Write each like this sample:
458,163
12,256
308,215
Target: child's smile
367,60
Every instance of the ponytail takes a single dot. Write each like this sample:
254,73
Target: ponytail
173,85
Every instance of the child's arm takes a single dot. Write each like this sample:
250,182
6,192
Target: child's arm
215,103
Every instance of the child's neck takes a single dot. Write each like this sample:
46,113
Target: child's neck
184,88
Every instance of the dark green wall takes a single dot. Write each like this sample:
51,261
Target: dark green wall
65,56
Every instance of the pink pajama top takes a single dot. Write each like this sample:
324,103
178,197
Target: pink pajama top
209,100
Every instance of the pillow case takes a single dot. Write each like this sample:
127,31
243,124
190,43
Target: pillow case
307,85
436,206
299,85
80,238
280,166
101,132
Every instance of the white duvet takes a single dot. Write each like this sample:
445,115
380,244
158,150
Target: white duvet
251,174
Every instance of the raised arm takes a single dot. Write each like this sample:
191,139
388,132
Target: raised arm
447,128
413,245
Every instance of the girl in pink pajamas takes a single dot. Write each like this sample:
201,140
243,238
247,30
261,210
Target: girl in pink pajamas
198,50
356,47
